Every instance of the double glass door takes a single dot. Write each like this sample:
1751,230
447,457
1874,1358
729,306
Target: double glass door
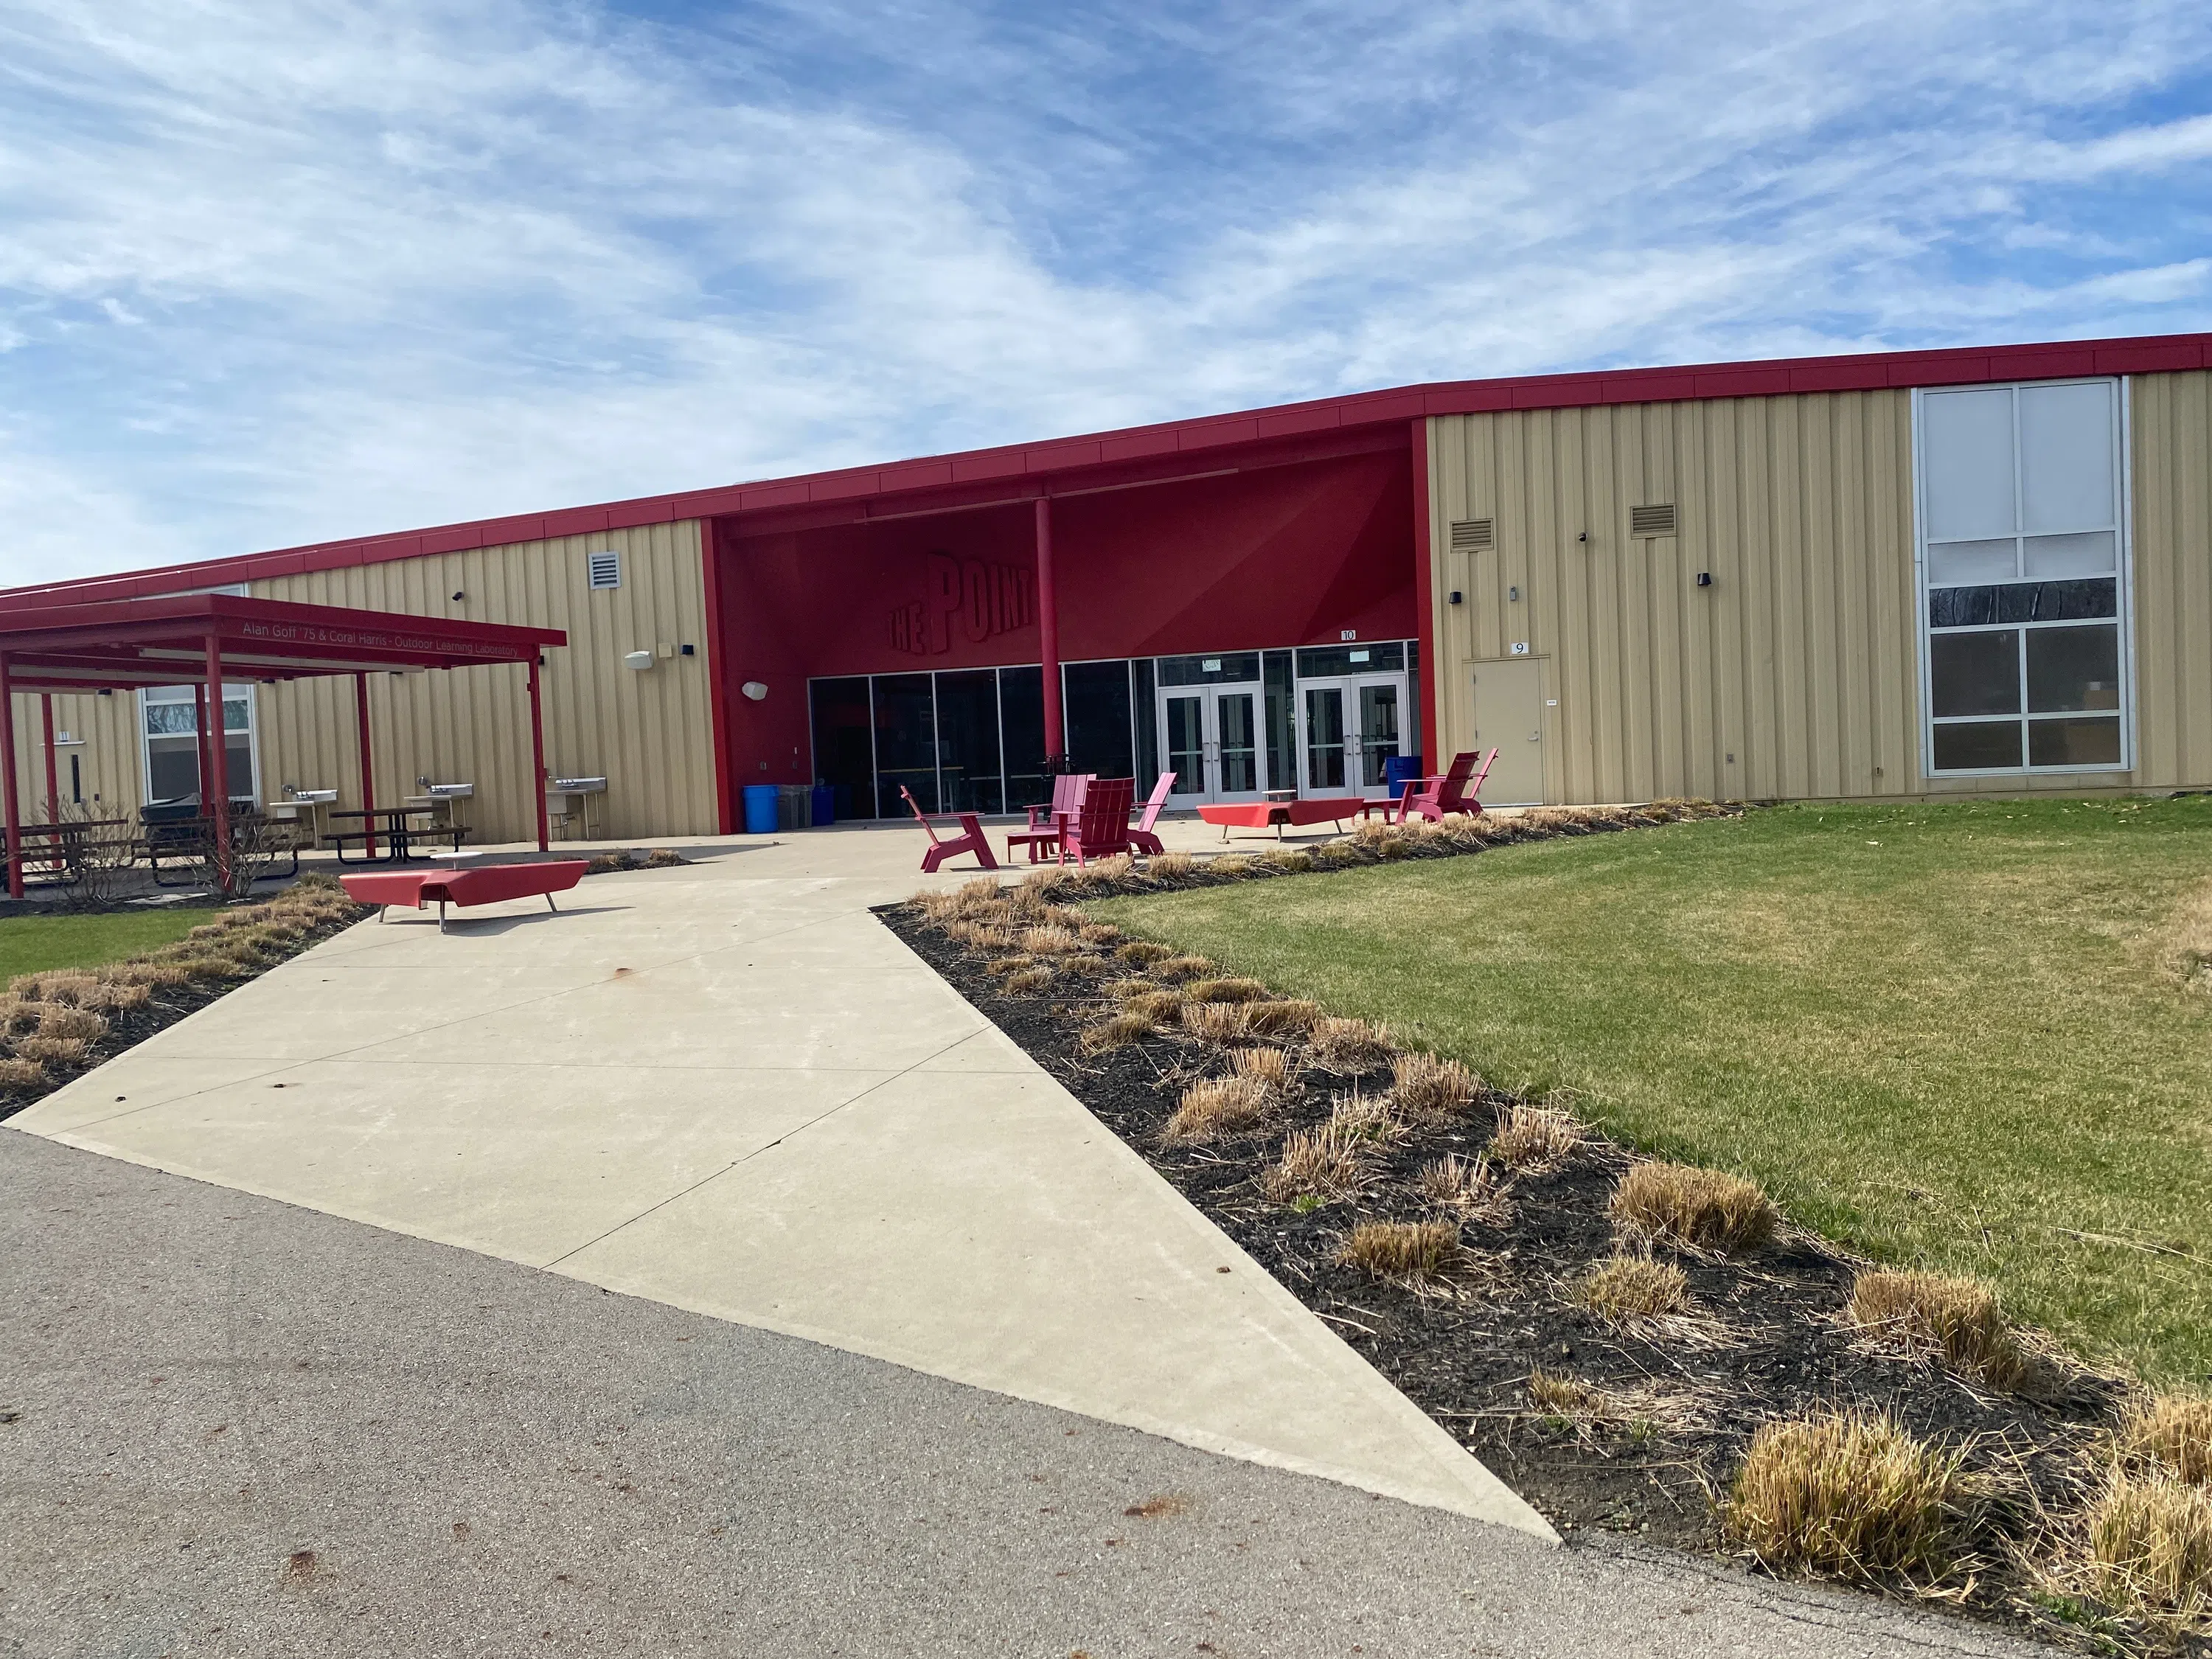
1210,735
1350,728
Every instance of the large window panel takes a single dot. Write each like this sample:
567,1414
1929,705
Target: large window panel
844,752
1099,735
906,742
967,740
2024,563
1975,673
1021,720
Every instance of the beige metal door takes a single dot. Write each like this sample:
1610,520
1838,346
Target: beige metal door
1508,716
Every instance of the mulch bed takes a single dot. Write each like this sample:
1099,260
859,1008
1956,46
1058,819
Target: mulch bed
1765,1341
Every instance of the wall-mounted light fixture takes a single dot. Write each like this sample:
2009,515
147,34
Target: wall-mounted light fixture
1455,596
640,660
458,596
1513,594
1583,537
753,691
1704,579
687,650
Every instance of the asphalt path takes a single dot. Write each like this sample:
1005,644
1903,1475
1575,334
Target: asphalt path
231,1426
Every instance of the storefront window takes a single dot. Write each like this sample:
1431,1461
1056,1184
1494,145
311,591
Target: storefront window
844,749
1099,738
171,724
968,741
1281,722
1021,722
906,742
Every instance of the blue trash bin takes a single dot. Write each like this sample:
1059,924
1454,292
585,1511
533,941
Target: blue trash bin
825,805
760,809
1399,770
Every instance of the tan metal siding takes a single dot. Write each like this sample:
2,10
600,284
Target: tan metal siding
1802,659
108,758
649,732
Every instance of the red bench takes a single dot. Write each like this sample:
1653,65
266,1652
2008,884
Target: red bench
1261,814
487,883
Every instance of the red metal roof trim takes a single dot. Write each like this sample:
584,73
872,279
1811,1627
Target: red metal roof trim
1025,463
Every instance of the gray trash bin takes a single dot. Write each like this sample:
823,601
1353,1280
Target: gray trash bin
794,806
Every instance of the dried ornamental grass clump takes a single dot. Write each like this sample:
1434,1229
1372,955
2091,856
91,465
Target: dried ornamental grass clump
2150,1547
1161,1007
54,1051
1704,1209
1286,861
1270,1067
1217,1106
1119,1032
1169,866
1180,968
1568,1397
2172,1434
17,1073
1402,1249
1028,980
17,1015
1956,1318
61,1020
1467,1185
1048,941
1005,966
1348,1045
1848,1495
1224,990
1533,1138
1280,1019
1326,1165
1632,1287
1143,952
1433,1088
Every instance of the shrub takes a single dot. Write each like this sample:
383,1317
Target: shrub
1402,1249
1326,1164
1850,1495
2150,1545
1270,1067
1957,1318
1433,1088
1143,952
1119,1032
17,1073
1218,1106
1532,1138
1348,1045
60,1020
54,1051
2172,1434
1029,979
1703,1208
1626,1287
1226,990
1467,1185
1179,968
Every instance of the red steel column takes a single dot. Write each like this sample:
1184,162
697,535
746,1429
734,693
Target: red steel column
53,783
368,769
718,686
1055,732
219,747
538,757
200,745
1425,606
7,780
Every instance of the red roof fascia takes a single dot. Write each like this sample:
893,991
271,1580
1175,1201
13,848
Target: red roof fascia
1024,463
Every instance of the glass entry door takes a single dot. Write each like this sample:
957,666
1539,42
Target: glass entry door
1349,729
1211,738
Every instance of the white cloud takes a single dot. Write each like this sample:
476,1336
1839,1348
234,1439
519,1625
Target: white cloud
272,274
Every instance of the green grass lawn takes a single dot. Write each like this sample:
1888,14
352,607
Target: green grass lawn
31,944
1952,1034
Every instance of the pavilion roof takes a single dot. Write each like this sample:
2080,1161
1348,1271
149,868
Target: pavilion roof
117,644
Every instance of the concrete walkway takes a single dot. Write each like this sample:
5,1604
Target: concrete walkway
728,1089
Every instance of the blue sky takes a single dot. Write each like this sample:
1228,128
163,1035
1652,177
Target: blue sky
272,273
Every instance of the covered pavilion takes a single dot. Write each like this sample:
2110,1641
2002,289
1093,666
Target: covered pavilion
120,645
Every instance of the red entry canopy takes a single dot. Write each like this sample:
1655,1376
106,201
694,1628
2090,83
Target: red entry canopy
119,644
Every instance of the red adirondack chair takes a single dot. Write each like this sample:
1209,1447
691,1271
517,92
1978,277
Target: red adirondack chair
969,840
1454,792
1142,838
1043,835
1100,828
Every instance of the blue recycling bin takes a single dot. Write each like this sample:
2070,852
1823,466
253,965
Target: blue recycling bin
1399,770
825,805
760,809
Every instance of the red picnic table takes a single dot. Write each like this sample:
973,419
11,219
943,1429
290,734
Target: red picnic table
1262,814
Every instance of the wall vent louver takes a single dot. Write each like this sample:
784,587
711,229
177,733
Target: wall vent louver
1651,520
604,568
1473,535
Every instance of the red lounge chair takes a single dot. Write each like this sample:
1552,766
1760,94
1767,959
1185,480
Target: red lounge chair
1101,828
1454,792
1142,838
487,883
969,840
1043,835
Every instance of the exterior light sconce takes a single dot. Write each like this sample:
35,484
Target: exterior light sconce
640,660
1582,537
1704,579
458,596
1455,596
1513,594
687,650
753,691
